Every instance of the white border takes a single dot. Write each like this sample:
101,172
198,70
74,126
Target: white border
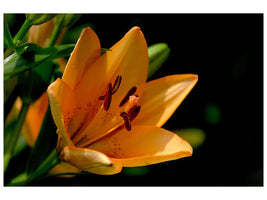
136,6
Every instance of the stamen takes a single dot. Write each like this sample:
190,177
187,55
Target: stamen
126,98
101,98
114,88
126,120
116,84
133,112
108,97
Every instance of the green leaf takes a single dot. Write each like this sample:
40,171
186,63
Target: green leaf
30,55
158,54
44,144
21,143
104,50
8,40
194,136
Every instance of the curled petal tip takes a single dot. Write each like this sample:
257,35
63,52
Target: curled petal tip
136,28
86,29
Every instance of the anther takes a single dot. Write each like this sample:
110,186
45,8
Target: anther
107,97
116,84
114,88
101,98
133,112
126,120
126,98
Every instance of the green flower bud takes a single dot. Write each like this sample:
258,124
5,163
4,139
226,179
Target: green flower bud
158,54
66,20
36,19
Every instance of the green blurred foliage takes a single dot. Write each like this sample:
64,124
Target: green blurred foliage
135,171
194,136
212,114
66,20
73,34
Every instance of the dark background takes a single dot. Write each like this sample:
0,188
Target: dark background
226,51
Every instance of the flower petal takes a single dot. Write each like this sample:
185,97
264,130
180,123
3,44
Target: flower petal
62,105
90,160
40,34
128,58
64,167
161,98
86,51
143,145
34,119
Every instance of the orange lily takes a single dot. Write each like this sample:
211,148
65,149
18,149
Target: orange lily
107,116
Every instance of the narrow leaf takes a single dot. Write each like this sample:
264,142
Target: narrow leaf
44,144
28,57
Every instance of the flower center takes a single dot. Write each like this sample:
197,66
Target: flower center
130,99
107,122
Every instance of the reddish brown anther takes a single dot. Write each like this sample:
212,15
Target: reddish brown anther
116,84
114,88
133,112
126,98
101,98
108,97
126,120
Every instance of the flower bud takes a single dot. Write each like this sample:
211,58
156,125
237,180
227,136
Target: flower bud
158,53
36,19
66,20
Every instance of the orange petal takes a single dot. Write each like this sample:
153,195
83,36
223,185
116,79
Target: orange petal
86,51
161,98
34,119
64,167
40,34
143,145
128,58
90,160
62,105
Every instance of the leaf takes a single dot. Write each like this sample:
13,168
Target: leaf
8,40
158,54
8,130
30,55
44,144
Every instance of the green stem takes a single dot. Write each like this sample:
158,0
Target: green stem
54,36
23,179
22,32
12,144
8,42
51,161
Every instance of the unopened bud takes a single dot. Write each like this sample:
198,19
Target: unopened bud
36,19
66,20
158,53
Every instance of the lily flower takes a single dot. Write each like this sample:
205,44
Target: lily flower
107,116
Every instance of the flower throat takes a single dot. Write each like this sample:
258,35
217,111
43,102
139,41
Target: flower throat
132,112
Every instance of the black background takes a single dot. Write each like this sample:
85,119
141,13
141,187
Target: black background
226,51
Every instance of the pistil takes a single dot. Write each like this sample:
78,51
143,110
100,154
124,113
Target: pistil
126,98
